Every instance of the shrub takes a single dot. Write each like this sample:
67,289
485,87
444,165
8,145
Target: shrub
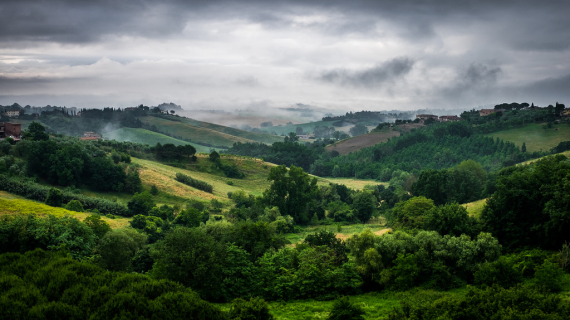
153,190
74,205
343,309
254,309
198,184
54,198
500,272
549,276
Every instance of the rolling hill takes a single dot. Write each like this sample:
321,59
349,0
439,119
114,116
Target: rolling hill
139,135
206,132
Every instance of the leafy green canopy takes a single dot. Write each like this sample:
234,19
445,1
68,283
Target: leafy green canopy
531,207
42,285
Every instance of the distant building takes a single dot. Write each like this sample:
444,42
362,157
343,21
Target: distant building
449,118
90,135
12,130
486,112
424,117
12,113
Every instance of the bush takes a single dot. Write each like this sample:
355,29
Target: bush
34,191
153,190
343,309
549,276
74,205
54,198
201,185
254,309
500,272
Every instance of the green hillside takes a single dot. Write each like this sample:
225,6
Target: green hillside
193,133
534,136
139,135
259,137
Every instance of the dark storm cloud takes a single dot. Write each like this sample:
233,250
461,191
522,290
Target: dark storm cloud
554,88
76,21
386,72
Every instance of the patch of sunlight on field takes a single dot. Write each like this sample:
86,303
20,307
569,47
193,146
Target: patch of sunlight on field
534,136
24,207
475,208
357,184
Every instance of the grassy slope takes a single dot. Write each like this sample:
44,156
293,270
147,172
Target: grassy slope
475,208
163,176
259,137
23,206
192,133
534,136
139,135
356,184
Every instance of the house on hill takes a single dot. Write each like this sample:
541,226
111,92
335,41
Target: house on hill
449,118
12,113
424,117
12,130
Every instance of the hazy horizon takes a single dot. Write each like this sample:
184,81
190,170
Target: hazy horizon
259,55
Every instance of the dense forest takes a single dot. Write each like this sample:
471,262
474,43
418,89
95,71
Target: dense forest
511,261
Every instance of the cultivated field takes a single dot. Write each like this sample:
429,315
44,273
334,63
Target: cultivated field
534,136
366,140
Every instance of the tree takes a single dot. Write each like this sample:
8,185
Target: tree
523,148
364,203
118,247
153,190
192,258
35,132
299,131
411,213
450,219
99,226
54,198
358,129
140,203
291,191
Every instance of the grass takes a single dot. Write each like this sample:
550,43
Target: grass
377,305
162,176
139,135
475,208
193,133
534,136
356,184
376,225
28,207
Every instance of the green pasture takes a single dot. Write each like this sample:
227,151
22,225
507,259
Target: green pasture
534,136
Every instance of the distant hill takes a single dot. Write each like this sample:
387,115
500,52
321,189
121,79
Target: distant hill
169,106
206,132
366,140
139,135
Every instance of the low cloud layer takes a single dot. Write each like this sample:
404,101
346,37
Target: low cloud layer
223,54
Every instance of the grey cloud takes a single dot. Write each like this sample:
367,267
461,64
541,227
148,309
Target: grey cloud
476,79
386,72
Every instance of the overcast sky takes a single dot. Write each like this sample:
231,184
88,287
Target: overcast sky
372,55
